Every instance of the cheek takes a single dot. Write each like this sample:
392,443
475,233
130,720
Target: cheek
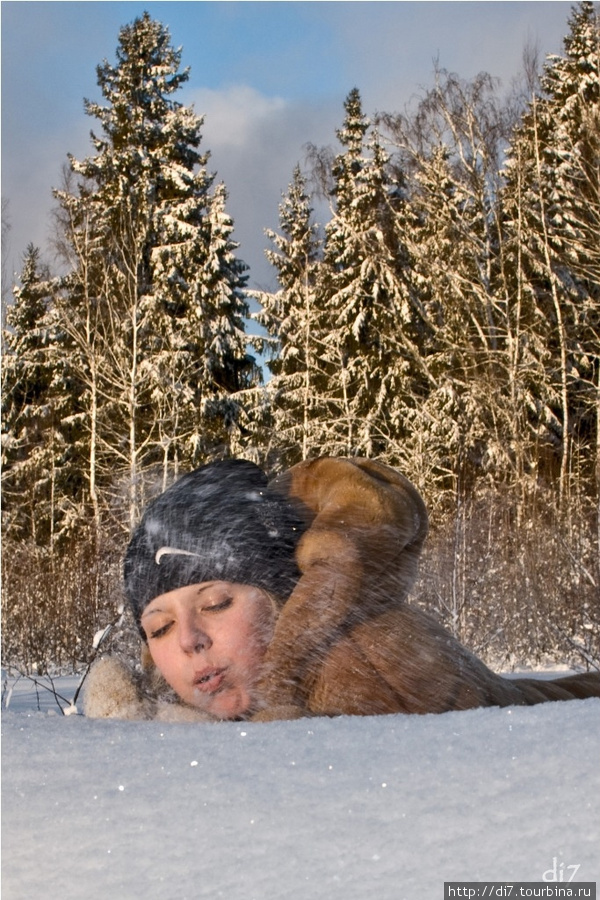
252,640
257,626
262,623
263,633
163,658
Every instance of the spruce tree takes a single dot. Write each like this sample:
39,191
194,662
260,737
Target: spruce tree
467,426
571,167
365,290
32,443
206,348
141,237
292,319
552,201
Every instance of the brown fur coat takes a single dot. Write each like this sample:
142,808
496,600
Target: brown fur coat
346,641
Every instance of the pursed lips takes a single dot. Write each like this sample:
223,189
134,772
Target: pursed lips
209,680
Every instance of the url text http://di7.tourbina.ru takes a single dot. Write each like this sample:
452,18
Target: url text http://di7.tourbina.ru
482,890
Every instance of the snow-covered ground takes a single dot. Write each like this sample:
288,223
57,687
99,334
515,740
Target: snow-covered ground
375,808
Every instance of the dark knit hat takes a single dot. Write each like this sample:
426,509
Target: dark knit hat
217,523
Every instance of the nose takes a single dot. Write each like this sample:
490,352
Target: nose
192,637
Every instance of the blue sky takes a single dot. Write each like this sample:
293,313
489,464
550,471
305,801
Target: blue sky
270,77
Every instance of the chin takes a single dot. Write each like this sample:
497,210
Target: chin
228,705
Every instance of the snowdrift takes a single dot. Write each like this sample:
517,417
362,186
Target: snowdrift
377,807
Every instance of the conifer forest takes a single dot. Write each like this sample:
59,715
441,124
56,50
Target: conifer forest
444,318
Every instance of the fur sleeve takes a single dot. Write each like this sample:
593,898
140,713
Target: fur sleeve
358,557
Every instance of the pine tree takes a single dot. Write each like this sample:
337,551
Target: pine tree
141,237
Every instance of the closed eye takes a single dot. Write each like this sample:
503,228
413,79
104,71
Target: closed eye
160,631
217,607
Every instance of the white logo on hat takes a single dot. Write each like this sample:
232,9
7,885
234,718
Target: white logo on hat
173,551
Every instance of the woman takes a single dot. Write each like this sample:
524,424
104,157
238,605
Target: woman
274,600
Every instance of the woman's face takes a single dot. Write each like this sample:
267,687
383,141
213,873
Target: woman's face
208,641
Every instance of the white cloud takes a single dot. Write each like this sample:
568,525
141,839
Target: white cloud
233,114
255,142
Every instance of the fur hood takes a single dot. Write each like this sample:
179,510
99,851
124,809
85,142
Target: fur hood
113,690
